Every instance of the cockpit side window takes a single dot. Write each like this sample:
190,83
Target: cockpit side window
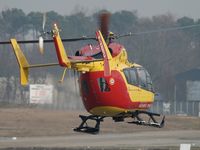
145,81
142,78
138,77
149,82
131,76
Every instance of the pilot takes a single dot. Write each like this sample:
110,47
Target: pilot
110,38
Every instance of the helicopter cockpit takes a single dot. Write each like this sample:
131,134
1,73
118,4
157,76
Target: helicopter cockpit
138,76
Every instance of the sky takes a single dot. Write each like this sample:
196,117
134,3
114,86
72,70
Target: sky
145,8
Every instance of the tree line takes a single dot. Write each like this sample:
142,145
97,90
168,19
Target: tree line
164,53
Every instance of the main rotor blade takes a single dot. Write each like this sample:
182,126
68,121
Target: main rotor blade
50,41
167,29
159,30
107,57
104,19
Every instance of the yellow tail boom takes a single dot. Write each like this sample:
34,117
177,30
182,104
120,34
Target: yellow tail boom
23,63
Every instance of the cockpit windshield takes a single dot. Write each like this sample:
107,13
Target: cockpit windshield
138,76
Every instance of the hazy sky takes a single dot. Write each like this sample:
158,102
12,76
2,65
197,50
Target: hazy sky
179,8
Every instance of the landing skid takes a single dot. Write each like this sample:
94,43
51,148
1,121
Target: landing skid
83,127
151,122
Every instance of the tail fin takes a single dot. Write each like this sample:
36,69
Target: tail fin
60,50
23,63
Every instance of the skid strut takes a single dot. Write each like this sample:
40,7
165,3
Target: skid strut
83,127
151,122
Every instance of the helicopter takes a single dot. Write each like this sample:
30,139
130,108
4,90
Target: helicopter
110,85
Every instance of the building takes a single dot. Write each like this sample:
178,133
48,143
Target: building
187,86
187,92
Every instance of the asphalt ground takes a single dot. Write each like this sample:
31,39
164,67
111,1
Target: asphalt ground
147,139
32,128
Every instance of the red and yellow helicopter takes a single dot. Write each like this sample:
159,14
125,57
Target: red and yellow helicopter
110,85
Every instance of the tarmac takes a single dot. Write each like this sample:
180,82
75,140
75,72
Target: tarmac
40,129
148,140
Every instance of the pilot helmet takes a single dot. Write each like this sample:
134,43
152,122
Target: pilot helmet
111,35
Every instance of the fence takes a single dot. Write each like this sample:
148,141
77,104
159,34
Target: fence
191,108
66,96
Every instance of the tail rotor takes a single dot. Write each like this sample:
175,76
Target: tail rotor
44,21
42,35
41,45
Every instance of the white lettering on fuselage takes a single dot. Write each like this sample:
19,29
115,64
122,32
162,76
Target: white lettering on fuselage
144,105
